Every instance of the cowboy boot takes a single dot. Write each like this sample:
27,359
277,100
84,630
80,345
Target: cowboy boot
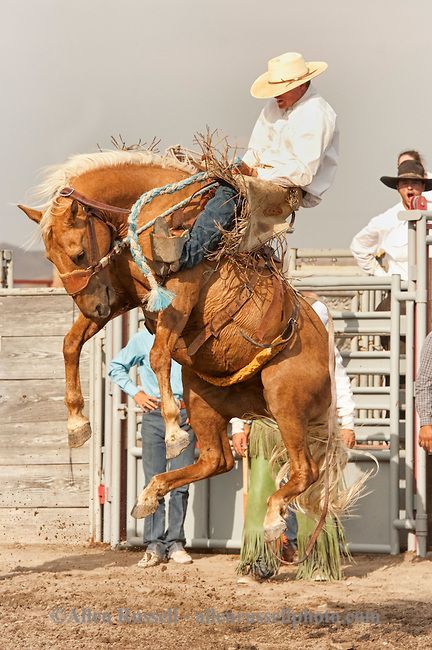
166,249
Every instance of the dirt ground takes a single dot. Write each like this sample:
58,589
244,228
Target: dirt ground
81,597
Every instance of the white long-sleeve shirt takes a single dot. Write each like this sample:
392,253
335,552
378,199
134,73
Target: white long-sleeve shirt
383,233
344,396
298,146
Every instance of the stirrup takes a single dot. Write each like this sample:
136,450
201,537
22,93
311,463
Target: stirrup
167,249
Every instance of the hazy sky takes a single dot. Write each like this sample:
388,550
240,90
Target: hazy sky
74,73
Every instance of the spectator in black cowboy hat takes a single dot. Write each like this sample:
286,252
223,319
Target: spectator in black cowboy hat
386,233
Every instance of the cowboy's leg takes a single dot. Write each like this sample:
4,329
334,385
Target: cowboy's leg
205,236
174,536
154,462
291,527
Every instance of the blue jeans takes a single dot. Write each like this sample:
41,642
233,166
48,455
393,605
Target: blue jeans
291,527
158,539
205,236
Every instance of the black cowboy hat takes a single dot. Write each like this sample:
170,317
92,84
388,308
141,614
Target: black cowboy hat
406,170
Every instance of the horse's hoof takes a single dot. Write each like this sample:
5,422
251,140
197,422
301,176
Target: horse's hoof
176,443
77,437
145,509
273,530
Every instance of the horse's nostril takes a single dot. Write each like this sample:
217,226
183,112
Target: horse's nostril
99,309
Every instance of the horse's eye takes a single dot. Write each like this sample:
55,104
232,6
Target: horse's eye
79,258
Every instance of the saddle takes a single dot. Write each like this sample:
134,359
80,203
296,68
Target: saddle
265,208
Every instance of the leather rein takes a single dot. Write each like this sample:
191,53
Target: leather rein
77,280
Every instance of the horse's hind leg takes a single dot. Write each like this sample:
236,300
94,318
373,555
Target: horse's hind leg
82,330
215,458
303,472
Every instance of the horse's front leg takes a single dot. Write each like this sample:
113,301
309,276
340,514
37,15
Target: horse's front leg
176,440
79,430
170,325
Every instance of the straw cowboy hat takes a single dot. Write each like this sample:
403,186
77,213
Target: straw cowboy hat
406,170
285,72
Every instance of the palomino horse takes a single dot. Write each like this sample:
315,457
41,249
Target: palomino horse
293,386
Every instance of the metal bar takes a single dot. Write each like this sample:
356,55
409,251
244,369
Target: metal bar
369,548
405,524
410,296
116,443
107,446
131,489
345,281
92,450
421,324
372,390
394,414
355,455
97,426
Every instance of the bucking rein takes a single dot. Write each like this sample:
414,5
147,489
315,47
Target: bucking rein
159,297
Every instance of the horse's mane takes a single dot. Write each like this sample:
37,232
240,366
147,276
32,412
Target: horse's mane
58,176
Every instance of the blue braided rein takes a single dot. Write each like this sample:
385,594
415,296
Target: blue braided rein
159,298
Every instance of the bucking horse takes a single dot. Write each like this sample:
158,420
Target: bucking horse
248,343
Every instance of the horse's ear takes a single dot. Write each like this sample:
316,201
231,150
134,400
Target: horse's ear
34,215
69,213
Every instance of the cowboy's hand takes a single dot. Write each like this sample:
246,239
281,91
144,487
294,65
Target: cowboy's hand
348,437
425,437
146,402
240,440
243,168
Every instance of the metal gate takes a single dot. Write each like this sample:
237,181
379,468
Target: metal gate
393,514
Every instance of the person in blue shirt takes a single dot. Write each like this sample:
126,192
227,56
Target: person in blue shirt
161,542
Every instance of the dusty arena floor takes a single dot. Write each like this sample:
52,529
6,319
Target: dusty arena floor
75,597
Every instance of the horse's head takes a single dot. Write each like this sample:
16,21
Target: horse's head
76,239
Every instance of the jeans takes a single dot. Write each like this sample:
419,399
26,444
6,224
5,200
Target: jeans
291,527
205,236
159,540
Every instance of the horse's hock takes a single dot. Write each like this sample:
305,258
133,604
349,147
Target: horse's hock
45,493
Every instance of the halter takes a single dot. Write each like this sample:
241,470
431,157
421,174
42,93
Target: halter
77,280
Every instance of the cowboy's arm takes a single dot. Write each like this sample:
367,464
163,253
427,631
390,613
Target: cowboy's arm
344,401
133,354
304,139
344,396
120,366
423,394
365,246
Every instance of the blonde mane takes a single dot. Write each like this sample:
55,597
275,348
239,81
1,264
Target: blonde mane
59,176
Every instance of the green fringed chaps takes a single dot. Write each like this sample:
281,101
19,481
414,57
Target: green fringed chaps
257,556
325,560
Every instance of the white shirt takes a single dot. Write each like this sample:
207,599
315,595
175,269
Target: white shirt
344,395
298,146
383,233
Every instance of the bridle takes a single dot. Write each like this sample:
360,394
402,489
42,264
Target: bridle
77,280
